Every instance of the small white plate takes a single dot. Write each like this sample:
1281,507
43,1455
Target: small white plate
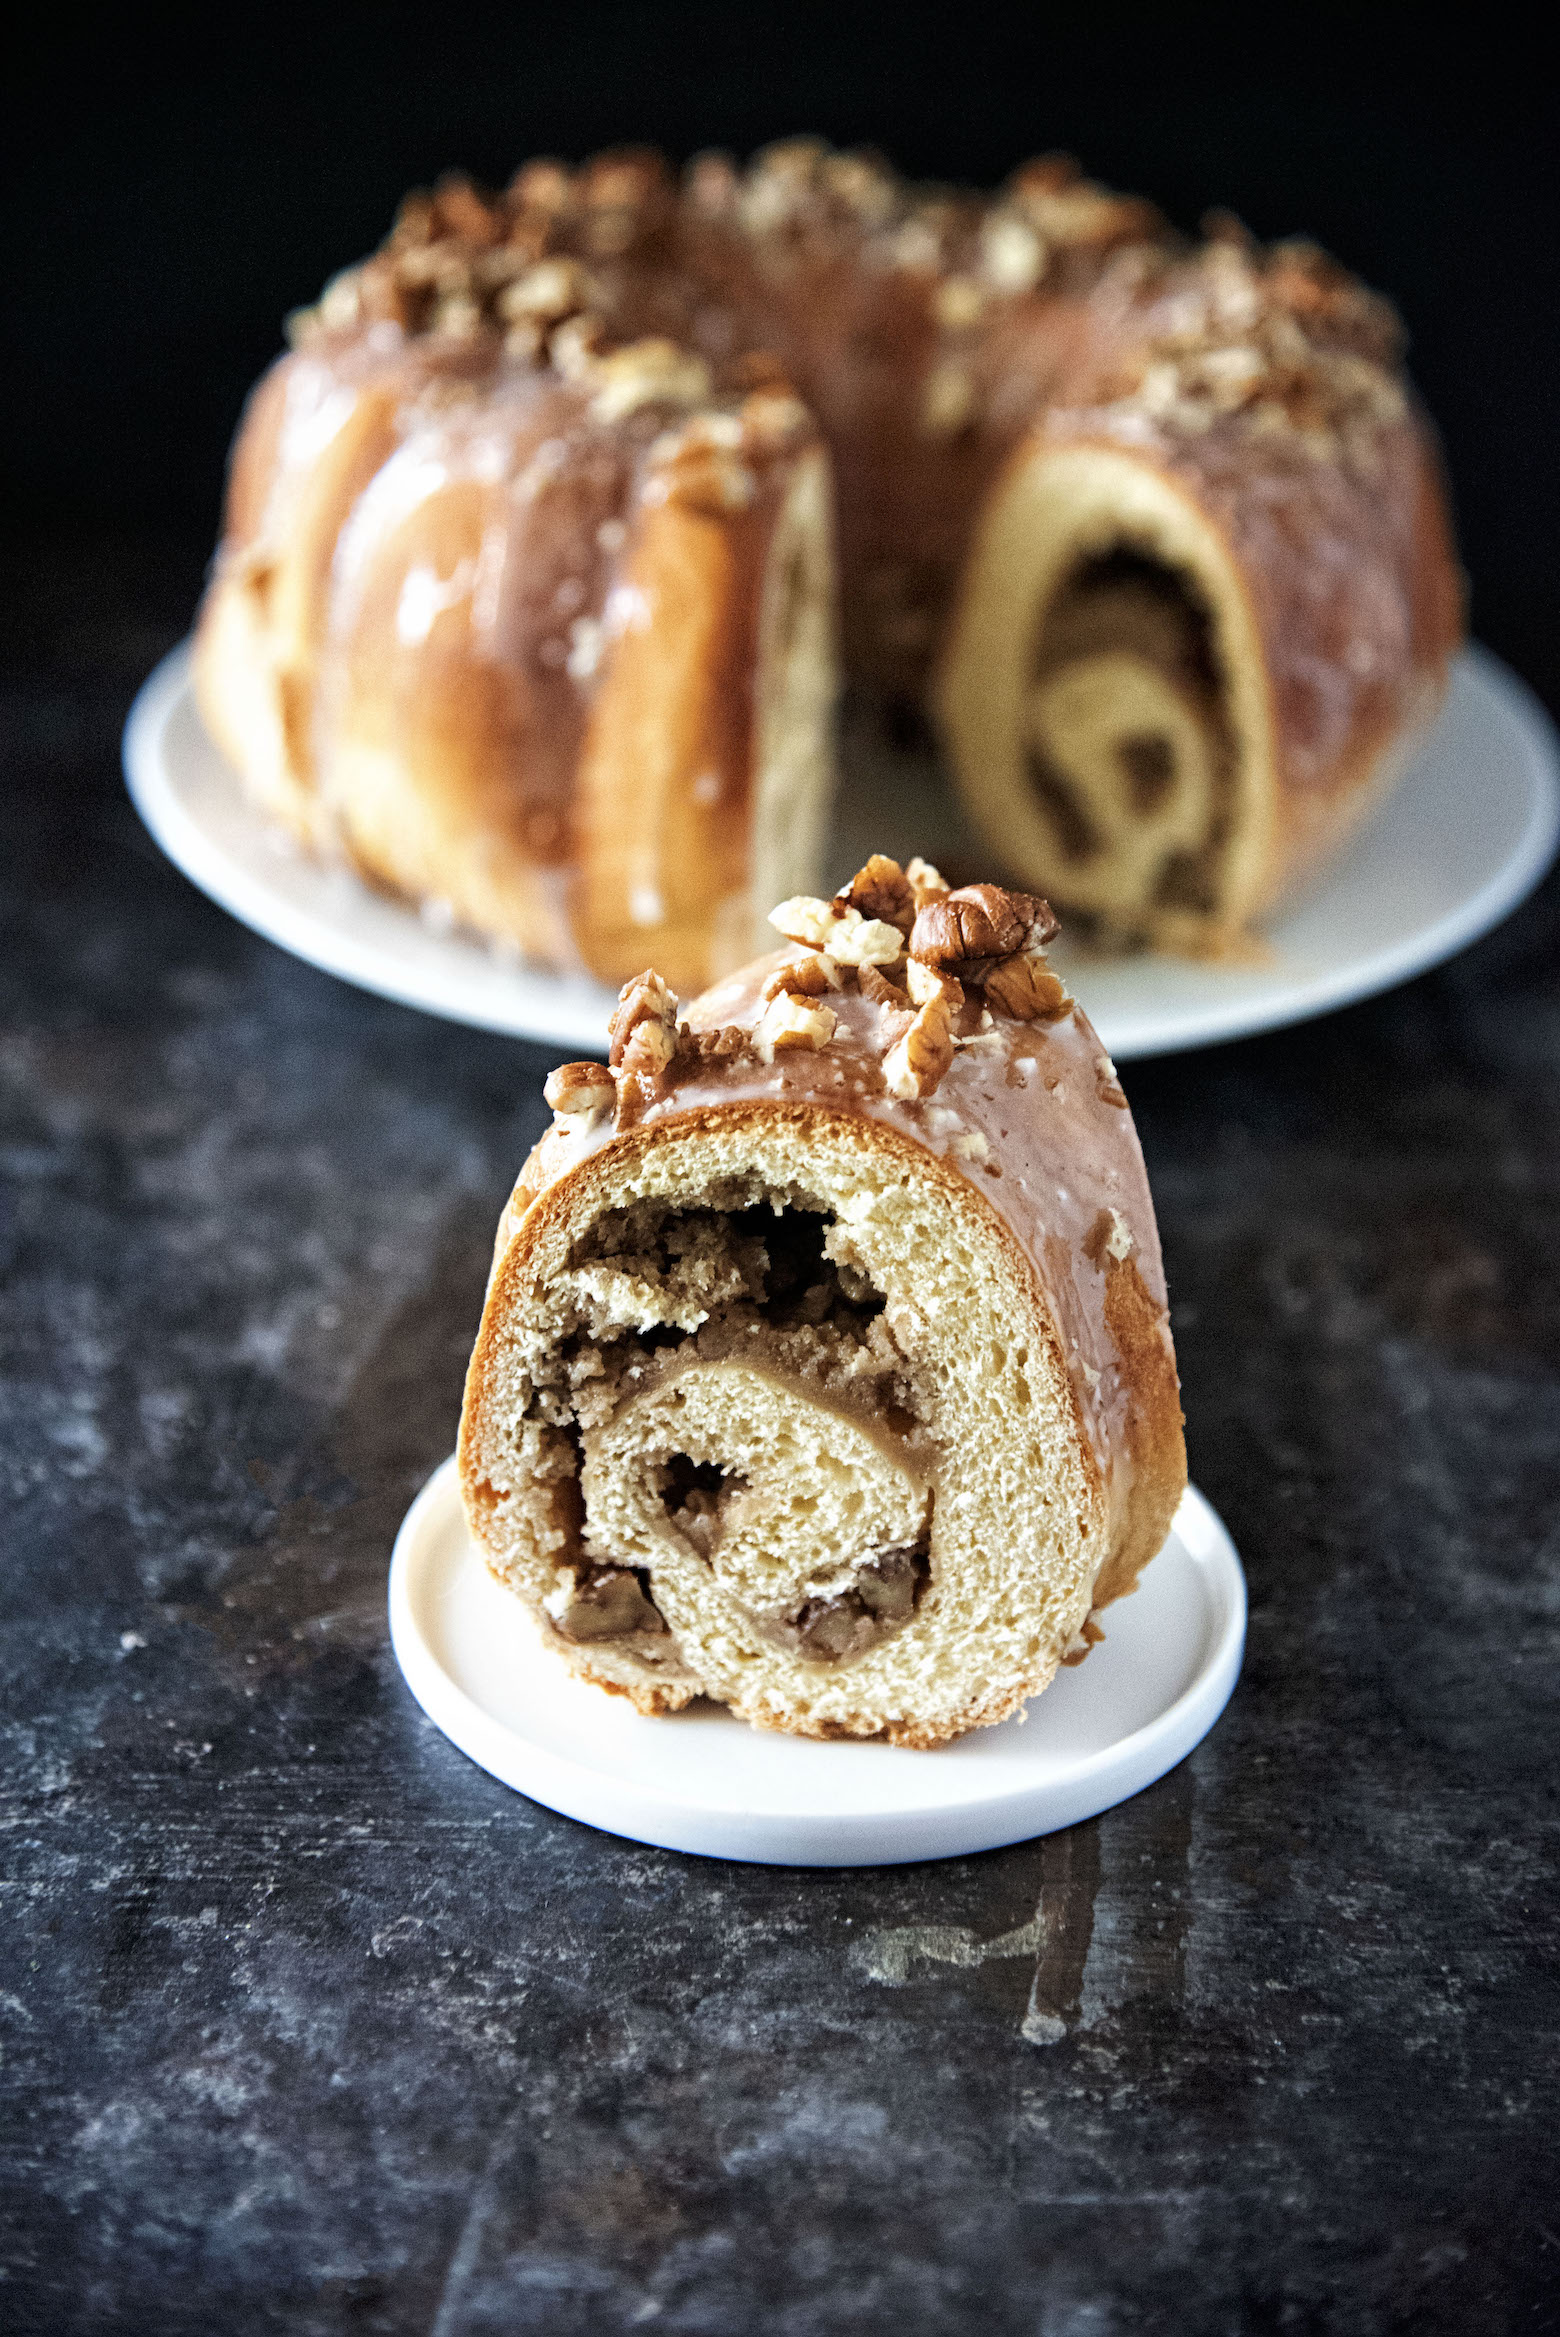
704,1782
1468,833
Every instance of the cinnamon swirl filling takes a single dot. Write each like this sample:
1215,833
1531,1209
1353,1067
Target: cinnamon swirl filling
1127,743
726,1394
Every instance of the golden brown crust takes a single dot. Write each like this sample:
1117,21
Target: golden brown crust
664,778
1155,1425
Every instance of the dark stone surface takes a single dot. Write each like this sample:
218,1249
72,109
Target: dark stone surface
310,2026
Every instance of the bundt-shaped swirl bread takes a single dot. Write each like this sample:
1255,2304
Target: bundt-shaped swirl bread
525,597
825,1367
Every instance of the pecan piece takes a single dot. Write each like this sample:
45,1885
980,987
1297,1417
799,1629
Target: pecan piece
550,291
842,934
622,180
1025,987
880,890
461,210
926,882
876,987
807,977
915,1063
543,185
576,345
644,1036
720,1045
580,1091
644,373
707,479
968,929
925,983
647,1057
644,1000
792,1022
802,918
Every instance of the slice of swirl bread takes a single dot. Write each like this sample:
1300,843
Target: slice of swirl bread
825,1367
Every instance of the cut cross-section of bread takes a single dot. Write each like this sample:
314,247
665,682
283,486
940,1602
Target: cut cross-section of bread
1128,746
1104,700
825,1367
1159,705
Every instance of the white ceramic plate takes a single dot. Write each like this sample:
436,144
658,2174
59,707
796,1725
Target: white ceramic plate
704,1782
1467,834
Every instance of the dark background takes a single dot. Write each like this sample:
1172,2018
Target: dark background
306,2024
183,179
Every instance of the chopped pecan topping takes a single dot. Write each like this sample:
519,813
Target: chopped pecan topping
623,179
1279,342
966,931
711,181
925,983
644,1037
700,465
716,485
580,1090
806,977
462,211
916,1062
926,882
803,918
720,1045
788,1021
1025,987
646,1059
576,346
875,985
645,373
542,185
1013,253
865,941
842,934
881,890
862,182
970,1144
549,291
644,1000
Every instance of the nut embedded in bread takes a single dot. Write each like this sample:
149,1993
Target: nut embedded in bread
827,1371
